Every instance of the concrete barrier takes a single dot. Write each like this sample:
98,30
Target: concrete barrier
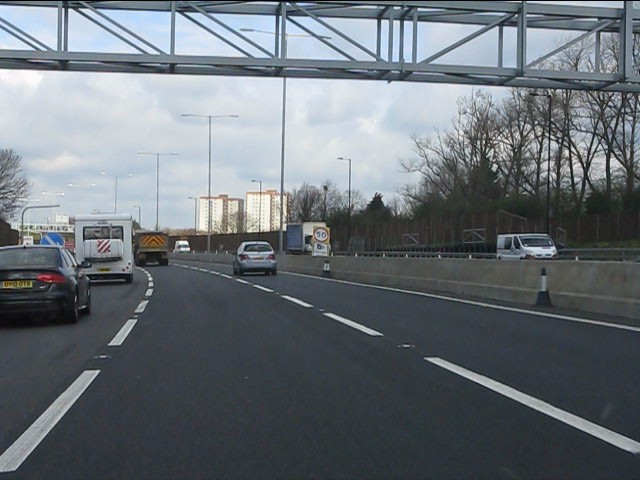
598,287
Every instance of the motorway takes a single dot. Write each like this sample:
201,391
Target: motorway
192,373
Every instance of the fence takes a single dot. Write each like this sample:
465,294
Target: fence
228,242
452,232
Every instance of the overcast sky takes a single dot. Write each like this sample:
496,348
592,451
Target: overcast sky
70,127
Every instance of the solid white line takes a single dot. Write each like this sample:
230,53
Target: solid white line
17,453
120,337
477,304
352,324
579,423
149,292
141,306
264,289
297,302
239,280
224,275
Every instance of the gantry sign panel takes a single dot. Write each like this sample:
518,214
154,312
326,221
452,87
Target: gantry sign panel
389,41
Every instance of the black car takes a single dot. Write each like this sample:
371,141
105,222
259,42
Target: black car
43,280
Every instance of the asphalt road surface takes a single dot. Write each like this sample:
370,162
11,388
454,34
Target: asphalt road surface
193,373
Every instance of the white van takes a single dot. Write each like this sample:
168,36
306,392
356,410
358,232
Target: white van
105,239
520,246
182,246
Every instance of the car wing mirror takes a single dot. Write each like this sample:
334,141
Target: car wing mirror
85,264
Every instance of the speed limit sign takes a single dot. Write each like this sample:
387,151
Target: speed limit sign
321,235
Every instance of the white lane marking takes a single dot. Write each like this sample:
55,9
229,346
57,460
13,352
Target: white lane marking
297,301
579,423
264,289
121,336
224,275
141,306
215,273
203,270
150,285
477,304
352,324
239,280
17,453
149,292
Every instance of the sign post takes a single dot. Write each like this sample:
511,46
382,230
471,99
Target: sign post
321,241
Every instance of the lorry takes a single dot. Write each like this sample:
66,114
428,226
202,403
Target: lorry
300,235
151,246
105,240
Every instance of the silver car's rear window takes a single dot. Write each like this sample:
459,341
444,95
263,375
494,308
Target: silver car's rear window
257,247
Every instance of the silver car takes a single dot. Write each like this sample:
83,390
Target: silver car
255,257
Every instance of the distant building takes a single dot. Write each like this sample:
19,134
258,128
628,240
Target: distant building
226,214
263,211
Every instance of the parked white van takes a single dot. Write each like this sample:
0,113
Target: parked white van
182,246
520,246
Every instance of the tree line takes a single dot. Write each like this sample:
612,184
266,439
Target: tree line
495,154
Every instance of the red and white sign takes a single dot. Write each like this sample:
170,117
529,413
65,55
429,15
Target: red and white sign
104,246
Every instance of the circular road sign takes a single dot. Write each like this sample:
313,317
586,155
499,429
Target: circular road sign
321,234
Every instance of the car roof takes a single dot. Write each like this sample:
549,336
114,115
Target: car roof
13,247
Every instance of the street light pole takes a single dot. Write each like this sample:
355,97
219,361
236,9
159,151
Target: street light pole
139,214
209,117
548,214
55,195
115,196
31,208
283,127
195,214
349,205
259,209
325,187
157,155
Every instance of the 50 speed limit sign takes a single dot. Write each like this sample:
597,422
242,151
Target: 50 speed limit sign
321,234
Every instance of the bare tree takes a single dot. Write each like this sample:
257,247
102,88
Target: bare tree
306,204
14,186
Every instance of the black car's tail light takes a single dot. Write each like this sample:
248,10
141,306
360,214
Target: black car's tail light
50,278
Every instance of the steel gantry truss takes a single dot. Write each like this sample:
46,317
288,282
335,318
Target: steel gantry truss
384,40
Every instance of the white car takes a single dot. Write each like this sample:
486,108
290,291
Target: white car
521,246
181,246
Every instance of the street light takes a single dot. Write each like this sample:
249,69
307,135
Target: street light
31,208
548,95
284,111
259,209
325,187
209,117
55,196
195,214
115,197
349,220
157,155
139,215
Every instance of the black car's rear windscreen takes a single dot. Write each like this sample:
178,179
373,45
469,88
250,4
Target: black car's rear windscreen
29,257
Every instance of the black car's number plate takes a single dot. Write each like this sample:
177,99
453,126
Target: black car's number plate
16,284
